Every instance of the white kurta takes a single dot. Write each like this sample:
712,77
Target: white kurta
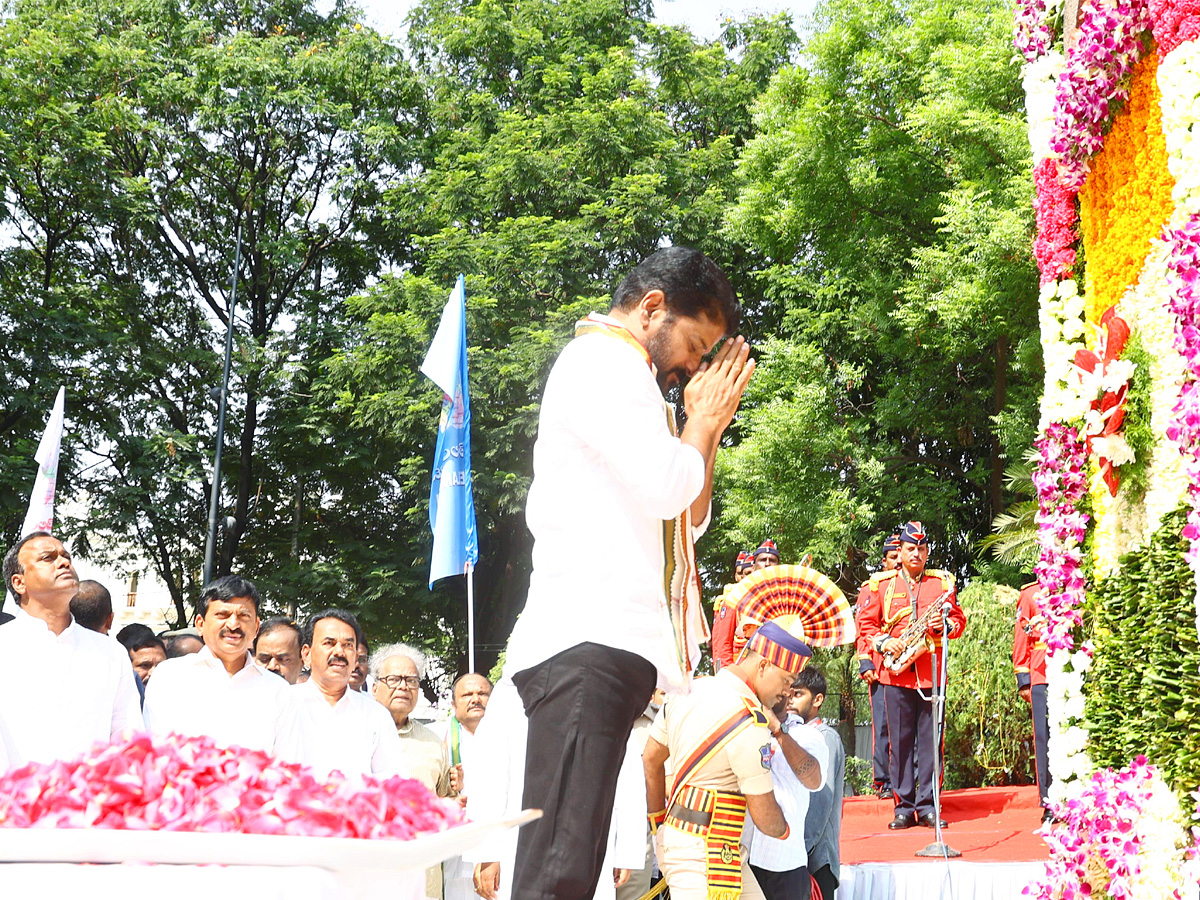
356,736
63,693
606,473
193,695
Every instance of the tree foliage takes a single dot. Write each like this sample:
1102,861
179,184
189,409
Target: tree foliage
565,142
866,189
886,194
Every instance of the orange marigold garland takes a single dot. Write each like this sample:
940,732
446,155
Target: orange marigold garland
1127,197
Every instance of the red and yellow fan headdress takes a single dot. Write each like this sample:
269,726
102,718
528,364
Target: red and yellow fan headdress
801,600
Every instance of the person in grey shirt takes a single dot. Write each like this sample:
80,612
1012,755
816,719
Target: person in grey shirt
823,824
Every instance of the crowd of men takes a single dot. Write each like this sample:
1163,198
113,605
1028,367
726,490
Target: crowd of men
730,785
303,694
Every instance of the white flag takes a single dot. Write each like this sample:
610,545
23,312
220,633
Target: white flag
41,502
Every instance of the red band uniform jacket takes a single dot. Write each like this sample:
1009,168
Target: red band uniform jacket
868,659
1029,651
888,610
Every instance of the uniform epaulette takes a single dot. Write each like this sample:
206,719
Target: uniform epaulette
946,577
1029,585
880,577
760,717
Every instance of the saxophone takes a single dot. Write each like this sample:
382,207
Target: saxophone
913,637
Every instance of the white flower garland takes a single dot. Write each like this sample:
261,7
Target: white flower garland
1039,80
1061,316
1067,747
1145,309
1179,87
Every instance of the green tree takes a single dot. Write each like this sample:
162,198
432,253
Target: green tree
76,306
187,124
886,193
566,141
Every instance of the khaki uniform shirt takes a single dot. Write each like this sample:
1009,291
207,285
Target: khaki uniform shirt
425,756
743,764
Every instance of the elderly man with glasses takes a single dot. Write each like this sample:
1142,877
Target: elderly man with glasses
397,670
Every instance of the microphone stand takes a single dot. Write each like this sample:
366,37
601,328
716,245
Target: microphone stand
938,847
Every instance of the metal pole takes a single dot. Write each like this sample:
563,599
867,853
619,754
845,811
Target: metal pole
940,683
210,545
470,617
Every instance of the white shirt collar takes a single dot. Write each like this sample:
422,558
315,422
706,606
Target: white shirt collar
311,692
22,619
251,669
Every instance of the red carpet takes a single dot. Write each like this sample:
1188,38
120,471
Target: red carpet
984,824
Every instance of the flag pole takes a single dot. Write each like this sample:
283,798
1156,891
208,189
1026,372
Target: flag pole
470,617
210,544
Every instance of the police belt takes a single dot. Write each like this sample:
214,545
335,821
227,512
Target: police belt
687,816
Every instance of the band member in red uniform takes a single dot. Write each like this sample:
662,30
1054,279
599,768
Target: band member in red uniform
869,662
1029,662
766,555
902,620
723,616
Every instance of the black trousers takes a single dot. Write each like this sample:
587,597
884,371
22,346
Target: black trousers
792,885
1041,739
879,736
910,730
581,705
826,881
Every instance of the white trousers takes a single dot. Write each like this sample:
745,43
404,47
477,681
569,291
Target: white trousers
681,857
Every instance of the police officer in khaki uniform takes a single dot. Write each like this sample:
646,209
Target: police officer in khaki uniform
717,741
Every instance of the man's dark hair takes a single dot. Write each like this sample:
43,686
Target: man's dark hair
12,565
454,687
137,636
812,681
226,588
175,644
694,286
92,605
277,623
341,615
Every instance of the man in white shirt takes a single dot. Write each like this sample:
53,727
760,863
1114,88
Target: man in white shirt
220,692
610,480
83,692
324,724
780,865
471,694
278,648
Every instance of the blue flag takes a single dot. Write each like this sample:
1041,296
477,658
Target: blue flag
451,503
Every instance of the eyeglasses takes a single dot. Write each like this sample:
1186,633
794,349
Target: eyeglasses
392,682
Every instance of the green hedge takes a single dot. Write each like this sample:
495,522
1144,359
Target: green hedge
989,729
1143,690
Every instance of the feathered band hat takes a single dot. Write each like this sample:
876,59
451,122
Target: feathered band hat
767,546
913,533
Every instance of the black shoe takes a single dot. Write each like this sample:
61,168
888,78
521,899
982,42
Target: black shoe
902,820
884,792
1047,817
929,822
